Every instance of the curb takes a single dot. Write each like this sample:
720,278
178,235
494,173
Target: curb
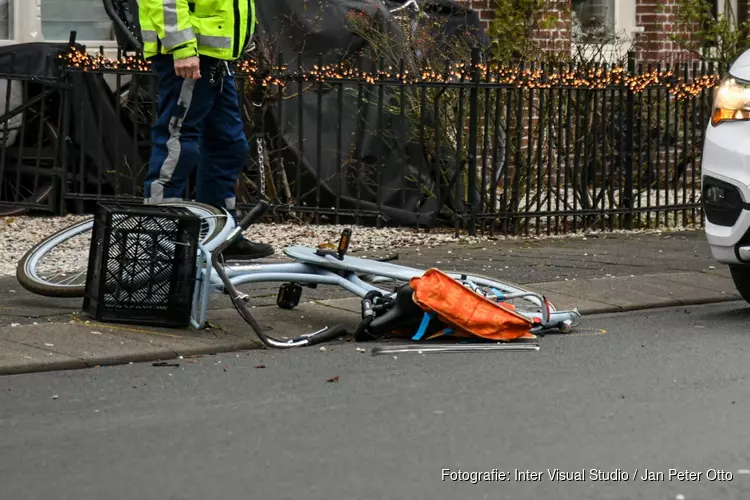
647,306
78,364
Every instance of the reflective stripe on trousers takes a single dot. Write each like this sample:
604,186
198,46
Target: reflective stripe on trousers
173,143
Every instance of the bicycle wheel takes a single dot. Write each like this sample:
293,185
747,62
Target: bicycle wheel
487,286
68,279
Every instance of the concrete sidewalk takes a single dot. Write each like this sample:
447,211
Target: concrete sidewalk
598,275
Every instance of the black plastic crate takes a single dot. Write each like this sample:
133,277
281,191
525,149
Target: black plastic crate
142,265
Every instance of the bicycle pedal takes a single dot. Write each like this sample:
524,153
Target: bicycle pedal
346,238
326,249
289,295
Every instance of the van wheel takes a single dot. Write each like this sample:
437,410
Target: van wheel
741,278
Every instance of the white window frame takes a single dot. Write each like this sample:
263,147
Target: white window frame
27,28
723,3
625,29
720,9
16,9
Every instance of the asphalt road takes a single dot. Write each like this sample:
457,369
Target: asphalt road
655,390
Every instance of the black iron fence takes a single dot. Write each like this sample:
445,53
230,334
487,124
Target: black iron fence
31,93
524,150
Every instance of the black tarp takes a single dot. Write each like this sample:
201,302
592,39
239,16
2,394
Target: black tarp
388,172
96,136
455,18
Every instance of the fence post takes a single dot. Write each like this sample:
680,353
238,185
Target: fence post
473,134
627,200
63,140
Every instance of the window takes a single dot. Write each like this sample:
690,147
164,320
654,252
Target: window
593,20
721,9
6,19
86,17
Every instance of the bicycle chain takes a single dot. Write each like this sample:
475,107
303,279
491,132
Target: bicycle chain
261,166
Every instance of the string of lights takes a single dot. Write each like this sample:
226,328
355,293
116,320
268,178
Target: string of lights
597,78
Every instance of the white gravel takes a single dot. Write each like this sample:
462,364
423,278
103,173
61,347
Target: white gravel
18,234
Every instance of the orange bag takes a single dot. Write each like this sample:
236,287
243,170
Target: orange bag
467,312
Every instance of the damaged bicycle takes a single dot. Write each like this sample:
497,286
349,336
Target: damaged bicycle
396,300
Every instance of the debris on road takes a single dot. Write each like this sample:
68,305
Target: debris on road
333,380
165,363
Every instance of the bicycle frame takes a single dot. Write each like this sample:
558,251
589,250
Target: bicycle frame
209,281
293,272
213,276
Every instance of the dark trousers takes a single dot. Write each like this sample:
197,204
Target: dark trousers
199,125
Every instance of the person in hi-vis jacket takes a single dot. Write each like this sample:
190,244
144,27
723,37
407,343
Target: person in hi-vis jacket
192,45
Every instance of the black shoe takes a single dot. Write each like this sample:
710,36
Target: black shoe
243,249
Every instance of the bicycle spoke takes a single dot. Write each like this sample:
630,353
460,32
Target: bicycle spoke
70,280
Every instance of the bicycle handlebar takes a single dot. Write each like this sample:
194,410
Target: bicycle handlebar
253,215
239,300
119,23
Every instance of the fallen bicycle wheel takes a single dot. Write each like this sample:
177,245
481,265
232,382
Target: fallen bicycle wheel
57,266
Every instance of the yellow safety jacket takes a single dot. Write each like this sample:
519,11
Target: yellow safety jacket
186,28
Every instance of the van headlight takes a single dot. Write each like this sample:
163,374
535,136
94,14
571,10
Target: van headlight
732,102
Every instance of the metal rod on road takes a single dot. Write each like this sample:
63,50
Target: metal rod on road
376,351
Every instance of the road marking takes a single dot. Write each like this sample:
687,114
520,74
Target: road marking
580,333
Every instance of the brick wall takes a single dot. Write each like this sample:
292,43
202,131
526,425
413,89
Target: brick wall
651,46
557,39
658,24
483,8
